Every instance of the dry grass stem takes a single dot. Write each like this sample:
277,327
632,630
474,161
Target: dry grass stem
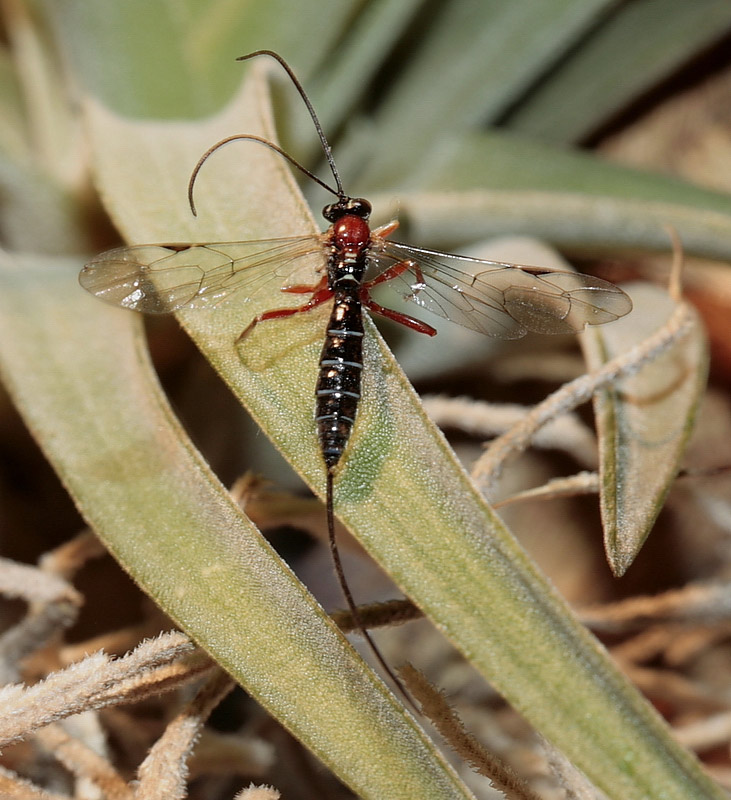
571,486
673,689
269,508
690,641
434,705
12,786
703,603
163,774
53,606
67,559
228,754
650,644
378,615
476,417
95,682
710,732
33,585
258,793
83,762
534,366
574,783
119,641
487,469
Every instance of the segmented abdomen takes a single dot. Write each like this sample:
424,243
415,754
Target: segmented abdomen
338,383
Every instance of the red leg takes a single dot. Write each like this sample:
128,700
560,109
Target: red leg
394,271
403,319
387,229
301,289
321,296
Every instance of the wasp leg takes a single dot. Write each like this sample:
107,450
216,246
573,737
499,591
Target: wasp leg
318,298
397,316
302,289
394,272
387,229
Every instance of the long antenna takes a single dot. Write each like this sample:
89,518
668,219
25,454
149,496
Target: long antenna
251,138
298,86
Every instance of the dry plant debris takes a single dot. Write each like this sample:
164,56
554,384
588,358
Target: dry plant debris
61,713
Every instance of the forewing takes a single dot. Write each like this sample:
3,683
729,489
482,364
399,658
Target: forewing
501,300
158,279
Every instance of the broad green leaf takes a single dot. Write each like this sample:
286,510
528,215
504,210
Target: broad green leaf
347,71
176,59
639,46
80,374
40,146
400,490
495,160
467,67
575,223
13,133
643,421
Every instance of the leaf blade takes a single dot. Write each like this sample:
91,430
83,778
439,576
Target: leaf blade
643,421
140,482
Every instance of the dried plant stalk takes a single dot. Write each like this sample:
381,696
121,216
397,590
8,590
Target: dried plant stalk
98,681
570,395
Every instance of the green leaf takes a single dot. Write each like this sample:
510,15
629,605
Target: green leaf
348,70
80,374
400,490
13,133
493,160
643,421
469,65
575,223
643,43
176,59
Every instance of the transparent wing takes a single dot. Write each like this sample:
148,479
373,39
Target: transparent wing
502,300
158,279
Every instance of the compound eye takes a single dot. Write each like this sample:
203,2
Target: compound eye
360,207
332,212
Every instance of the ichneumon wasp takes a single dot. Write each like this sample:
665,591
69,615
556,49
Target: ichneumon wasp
347,261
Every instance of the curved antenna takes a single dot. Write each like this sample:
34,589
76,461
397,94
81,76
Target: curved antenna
310,109
250,137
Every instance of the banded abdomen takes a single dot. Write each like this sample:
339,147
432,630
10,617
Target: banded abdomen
339,379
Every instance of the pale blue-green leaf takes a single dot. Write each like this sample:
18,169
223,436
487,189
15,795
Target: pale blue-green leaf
496,160
470,64
13,131
643,421
41,169
340,81
642,44
576,223
177,59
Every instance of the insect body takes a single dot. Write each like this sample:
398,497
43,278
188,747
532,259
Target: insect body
504,300
341,362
